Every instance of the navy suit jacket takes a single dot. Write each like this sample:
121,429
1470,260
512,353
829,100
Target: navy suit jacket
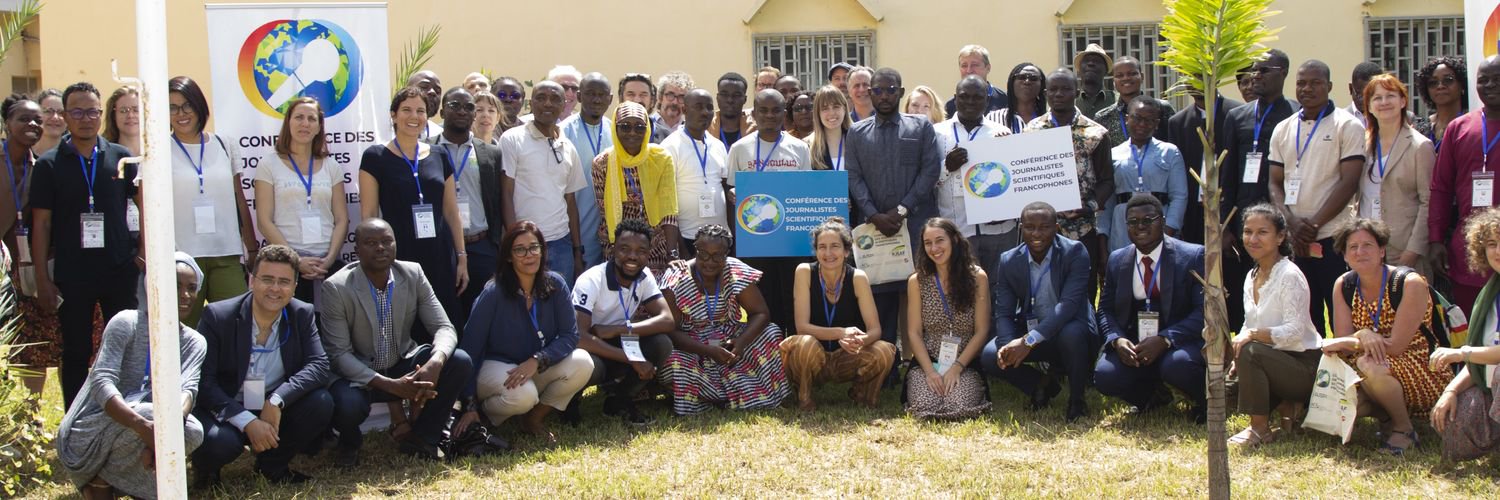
227,325
1012,290
1181,294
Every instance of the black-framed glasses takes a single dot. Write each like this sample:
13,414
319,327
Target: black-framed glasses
510,96
82,114
180,109
523,251
639,128
802,108
891,90
459,106
1142,221
556,151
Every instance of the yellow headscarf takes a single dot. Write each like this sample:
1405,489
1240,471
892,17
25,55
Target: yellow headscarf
653,167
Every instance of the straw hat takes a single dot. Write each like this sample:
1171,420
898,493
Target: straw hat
1093,48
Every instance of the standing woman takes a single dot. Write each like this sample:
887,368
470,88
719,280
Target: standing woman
1398,173
512,98
1443,84
948,314
213,221
23,128
488,118
827,144
637,179
921,102
300,199
122,119
801,113
53,126
1467,413
717,359
402,182
1025,88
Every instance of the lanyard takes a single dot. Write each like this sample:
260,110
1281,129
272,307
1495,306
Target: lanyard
596,140
90,169
1380,160
713,301
15,189
458,171
854,114
632,183
1255,142
307,182
1123,131
1154,285
1053,118
1140,170
760,165
535,323
198,165
628,312
838,163
702,158
830,307
1380,302
1302,148
1484,124
1036,284
956,138
286,334
944,296
383,311
413,162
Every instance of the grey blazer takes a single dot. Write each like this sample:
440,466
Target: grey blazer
350,322
1404,193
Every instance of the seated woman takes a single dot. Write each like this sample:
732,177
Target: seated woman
636,179
1382,325
1467,414
523,335
948,313
835,345
1276,351
719,360
107,438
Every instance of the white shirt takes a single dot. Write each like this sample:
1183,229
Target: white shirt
698,174
218,159
541,179
593,295
950,187
1137,285
467,181
289,201
1369,184
791,154
1282,308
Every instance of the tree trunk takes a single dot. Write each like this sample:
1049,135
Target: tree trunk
1215,315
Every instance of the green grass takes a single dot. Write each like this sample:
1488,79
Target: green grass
845,451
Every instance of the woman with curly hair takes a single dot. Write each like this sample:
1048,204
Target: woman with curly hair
1443,84
1467,413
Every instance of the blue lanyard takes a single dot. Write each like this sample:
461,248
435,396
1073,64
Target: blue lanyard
1124,131
628,312
1380,302
1140,161
760,165
1255,142
632,182
383,310
458,170
15,189
702,158
535,323
421,200
596,140
307,182
197,166
972,134
286,334
830,307
1484,127
944,296
1155,280
1380,160
1036,284
1053,118
838,163
713,301
1018,123
1301,147
854,115
90,170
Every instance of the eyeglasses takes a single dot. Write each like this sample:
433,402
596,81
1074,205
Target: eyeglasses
130,110
891,90
532,249
459,106
273,282
1442,82
1142,119
570,88
85,114
1142,221
510,96
639,128
180,109
556,151
802,108
1267,69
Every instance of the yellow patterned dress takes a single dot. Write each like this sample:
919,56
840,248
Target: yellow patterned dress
1420,385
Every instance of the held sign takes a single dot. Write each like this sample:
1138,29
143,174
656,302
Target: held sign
775,211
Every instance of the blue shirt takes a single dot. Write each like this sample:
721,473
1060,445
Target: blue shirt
589,145
1046,297
500,327
1161,171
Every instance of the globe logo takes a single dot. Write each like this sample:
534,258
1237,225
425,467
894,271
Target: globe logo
987,180
759,214
286,59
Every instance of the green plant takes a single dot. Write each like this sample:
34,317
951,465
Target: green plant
14,22
24,440
416,54
1207,41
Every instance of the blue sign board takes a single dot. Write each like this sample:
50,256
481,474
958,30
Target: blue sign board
775,211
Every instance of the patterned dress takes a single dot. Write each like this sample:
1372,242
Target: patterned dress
1420,385
633,207
1087,135
698,383
968,398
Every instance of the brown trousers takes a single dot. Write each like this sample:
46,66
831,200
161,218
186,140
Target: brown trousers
808,365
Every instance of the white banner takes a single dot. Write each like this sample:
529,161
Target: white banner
263,56
1481,34
1004,174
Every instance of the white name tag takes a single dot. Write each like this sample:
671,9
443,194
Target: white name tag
425,222
254,392
632,346
463,212
132,217
1148,324
203,217
23,245
1031,324
1375,210
93,229
312,228
947,353
1293,189
706,206
1484,189
1252,168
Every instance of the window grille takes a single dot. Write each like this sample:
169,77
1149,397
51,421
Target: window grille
1138,40
808,56
1402,45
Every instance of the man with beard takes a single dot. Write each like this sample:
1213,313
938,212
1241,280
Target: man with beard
671,88
476,176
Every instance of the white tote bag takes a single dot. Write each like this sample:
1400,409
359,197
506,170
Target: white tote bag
883,258
1335,398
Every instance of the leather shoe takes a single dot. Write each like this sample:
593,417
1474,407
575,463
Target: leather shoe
1076,411
285,476
204,479
1044,392
1200,414
416,448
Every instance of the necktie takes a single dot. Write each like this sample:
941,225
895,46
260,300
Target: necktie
1150,277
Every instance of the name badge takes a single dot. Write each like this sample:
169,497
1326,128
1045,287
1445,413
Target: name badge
23,245
706,206
254,392
1252,168
203,216
632,346
424,220
1375,210
1148,324
947,353
1031,323
463,211
1484,189
132,217
93,229
312,227
1293,188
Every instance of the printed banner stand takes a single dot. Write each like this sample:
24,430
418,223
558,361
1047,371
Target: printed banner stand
1481,37
777,210
1004,174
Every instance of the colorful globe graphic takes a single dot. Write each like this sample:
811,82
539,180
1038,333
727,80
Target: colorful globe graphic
286,59
987,180
759,214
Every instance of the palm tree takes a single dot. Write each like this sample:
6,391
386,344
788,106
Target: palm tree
1207,41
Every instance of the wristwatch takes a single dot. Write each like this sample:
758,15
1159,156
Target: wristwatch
901,211
275,400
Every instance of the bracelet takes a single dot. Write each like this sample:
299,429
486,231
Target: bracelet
463,254
1466,351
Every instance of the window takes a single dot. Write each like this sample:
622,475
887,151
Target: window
1402,45
27,85
1141,41
808,56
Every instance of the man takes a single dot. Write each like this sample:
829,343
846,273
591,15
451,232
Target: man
1151,316
1144,164
1182,131
1096,179
1092,64
1460,161
861,106
264,361
988,238
591,133
512,98
766,78
1127,78
1042,313
1246,138
543,175
476,179
476,82
974,60
78,205
731,123
637,88
367,309
702,166
1363,72
427,81
789,86
567,77
893,163
838,76
623,322
770,150
1313,180
672,86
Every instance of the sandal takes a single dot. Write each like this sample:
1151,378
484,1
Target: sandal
1249,438
1390,449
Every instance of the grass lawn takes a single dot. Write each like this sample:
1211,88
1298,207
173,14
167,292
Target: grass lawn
845,451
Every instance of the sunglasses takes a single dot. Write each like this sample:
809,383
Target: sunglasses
1027,77
510,96
802,108
892,90
639,128
1142,221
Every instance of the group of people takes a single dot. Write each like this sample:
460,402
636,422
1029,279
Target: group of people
511,260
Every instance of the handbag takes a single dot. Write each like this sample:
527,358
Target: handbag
1334,403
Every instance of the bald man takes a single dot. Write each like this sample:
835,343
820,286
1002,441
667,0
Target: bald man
432,88
770,150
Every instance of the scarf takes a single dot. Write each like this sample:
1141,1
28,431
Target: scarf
653,169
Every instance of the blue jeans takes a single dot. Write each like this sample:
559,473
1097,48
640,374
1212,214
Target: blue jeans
560,257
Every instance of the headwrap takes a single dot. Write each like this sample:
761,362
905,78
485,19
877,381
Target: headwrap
653,168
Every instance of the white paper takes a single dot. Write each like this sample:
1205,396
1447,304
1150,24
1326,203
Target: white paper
883,258
632,346
463,212
132,217
1484,189
312,228
1252,168
254,392
1293,189
425,223
947,353
1004,174
93,230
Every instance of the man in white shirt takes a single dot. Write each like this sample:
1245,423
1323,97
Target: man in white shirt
542,173
432,88
702,166
989,239
770,149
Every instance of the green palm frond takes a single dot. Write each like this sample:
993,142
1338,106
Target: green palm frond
415,55
13,23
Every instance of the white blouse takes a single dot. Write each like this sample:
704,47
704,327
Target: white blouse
1283,307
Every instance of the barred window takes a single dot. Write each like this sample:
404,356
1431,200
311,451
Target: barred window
1402,45
808,56
1139,40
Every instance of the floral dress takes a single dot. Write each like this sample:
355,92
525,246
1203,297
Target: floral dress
1420,385
1087,135
757,380
969,398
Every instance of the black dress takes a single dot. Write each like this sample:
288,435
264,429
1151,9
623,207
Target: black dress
398,193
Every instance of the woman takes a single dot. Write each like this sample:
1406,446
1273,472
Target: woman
717,360
948,313
637,179
532,369
827,144
1155,167
924,101
1387,341
1276,351
213,222
300,200
23,128
1398,173
402,182
106,440
801,113
512,97
841,343
487,117
122,119
53,125
1467,414
1443,84
1026,90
